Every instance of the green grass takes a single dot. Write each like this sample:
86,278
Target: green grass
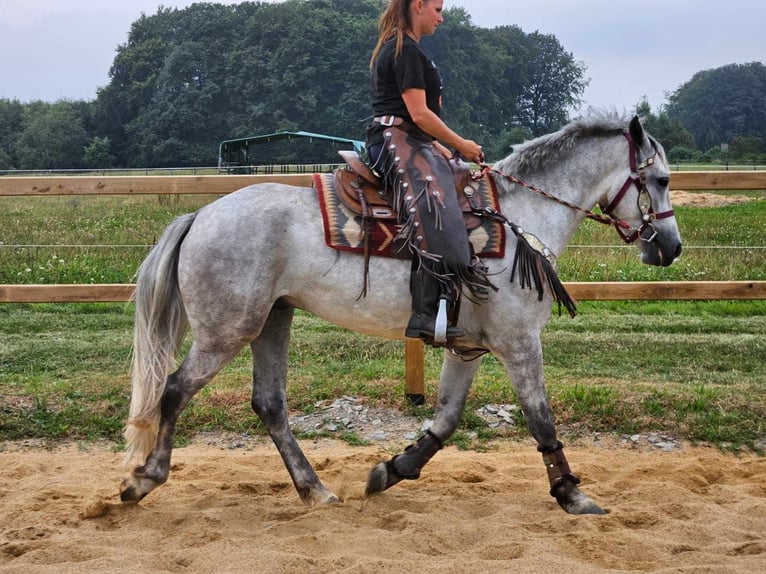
101,239
693,369
89,239
690,368
720,244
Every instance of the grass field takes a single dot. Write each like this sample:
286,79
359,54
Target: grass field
692,369
101,239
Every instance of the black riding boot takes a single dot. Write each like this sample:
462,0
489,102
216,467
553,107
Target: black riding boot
429,311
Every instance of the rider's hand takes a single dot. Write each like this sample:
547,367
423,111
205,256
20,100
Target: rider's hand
471,151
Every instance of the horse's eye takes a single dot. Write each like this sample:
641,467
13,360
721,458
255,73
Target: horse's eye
663,181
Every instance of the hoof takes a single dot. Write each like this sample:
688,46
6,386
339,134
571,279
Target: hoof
134,488
323,497
377,479
574,501
316,494
383,476
331,499
129,494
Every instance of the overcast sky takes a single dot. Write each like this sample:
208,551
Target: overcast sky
54,49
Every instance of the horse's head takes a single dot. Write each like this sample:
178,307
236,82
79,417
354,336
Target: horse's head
641,207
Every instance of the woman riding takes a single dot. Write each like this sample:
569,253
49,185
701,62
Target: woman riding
404,147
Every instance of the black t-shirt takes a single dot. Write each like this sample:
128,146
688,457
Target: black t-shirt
391,75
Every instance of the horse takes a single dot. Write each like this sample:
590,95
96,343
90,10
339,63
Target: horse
234,272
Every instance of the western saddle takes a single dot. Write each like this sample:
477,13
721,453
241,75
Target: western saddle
362,191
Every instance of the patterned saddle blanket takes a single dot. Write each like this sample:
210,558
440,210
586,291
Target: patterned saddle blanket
353,208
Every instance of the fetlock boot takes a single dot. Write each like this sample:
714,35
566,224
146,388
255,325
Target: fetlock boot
429,311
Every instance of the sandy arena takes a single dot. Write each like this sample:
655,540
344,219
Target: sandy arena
235,510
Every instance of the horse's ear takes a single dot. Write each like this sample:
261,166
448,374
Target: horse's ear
637,131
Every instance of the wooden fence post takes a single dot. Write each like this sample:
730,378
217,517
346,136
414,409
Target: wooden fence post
414,385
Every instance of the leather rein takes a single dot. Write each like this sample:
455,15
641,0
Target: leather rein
637,177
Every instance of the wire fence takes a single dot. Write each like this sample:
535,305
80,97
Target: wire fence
149,245
726,166
199,170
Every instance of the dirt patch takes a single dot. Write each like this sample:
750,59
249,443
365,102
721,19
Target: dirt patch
233,509
680,197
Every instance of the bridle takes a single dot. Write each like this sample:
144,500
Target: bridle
637,177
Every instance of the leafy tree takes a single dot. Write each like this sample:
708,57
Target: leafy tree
746,147
187,79
553,83
133,79
503,144
682,153
717,105
54,137
11,125
667,130
304,65
5,160
97,154
182,110
501,68
714,155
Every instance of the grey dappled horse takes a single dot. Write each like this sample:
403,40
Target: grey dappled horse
234,272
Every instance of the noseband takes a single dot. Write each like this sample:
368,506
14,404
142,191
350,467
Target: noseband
637,178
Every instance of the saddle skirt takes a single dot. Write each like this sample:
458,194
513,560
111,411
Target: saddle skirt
358,218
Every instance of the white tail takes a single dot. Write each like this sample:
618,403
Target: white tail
160,326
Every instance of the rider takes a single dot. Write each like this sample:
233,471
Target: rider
403,146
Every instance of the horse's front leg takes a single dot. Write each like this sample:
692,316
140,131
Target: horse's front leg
454,382
523,360
270,360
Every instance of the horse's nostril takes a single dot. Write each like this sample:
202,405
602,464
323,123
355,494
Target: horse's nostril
679,249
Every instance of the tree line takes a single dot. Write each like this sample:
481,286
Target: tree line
188,79
719,115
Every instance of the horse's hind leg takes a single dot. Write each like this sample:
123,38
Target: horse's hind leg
454,383
195,372
270,359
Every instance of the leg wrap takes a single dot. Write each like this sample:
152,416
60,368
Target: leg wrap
558,469
405,466
408,465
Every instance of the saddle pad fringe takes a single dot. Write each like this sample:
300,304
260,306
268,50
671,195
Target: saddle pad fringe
536,271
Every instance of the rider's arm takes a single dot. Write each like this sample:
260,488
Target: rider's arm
429,122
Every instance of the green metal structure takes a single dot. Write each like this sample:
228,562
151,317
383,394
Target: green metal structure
234,154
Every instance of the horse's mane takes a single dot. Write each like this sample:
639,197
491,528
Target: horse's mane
534,154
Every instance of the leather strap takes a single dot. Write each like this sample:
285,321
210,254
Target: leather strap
388,121
558,468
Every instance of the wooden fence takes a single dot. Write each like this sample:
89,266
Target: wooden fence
222,184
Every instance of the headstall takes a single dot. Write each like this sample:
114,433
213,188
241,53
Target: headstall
637,177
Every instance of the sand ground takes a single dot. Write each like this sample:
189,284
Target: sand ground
235,510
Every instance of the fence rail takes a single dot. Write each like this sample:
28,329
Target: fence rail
581,291
141,184
223,184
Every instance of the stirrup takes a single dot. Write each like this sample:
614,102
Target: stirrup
440,324
425,335
428,336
